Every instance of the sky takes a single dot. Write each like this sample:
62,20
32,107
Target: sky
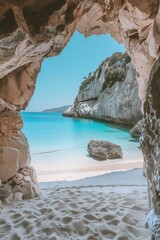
60,77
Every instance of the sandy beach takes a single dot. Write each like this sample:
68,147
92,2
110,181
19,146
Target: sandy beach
82,198
110,206
81,165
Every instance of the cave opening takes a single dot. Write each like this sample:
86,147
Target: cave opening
53,137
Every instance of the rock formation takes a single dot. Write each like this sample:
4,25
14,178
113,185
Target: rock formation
103,150
136,131
150,144
22,186
33,30
110,93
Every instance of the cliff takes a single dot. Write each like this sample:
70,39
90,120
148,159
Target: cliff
110,93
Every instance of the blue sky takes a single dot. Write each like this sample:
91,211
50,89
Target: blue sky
60,77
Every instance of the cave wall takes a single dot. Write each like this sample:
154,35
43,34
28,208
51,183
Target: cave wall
16,88
33,30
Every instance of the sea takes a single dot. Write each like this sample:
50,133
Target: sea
59,143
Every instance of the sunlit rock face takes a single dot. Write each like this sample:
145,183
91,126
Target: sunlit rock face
14,150
32,30
110,93
16,88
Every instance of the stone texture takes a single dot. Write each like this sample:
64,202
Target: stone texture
18,86
136,131
103,150
150,145
18,196
14,148
153,223
1,205
110,93
28,39
70,112
22,186
4,193
8,162
15,91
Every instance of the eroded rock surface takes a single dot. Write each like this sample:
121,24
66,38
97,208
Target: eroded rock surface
150,144
110,93
136,131
22,186
15,91
14,148
33,30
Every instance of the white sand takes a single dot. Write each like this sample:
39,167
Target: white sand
80,165
112,206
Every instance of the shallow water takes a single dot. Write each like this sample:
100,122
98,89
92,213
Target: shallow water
51,132
59,144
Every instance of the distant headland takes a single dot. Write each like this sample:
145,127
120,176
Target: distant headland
58,109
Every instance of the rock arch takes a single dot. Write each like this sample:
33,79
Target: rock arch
33,30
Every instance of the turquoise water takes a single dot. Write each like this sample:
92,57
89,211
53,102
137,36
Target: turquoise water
59,146
49,132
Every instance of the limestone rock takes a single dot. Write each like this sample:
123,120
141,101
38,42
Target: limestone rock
1,205
4,193
18,196
27,178
137,129
14,147
17,87
9,199
70,112
8,162
26,42
103,150
110,93
17,188
149,141
21,186
7,187
153,223
85,109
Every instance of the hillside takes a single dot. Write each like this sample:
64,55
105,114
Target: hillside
58,109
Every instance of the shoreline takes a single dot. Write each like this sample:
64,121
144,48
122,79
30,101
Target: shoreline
122,178
59,168
77,174
67,157
119,125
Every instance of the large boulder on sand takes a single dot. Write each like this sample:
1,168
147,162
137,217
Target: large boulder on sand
103,150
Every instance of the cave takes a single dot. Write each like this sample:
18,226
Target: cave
26,40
